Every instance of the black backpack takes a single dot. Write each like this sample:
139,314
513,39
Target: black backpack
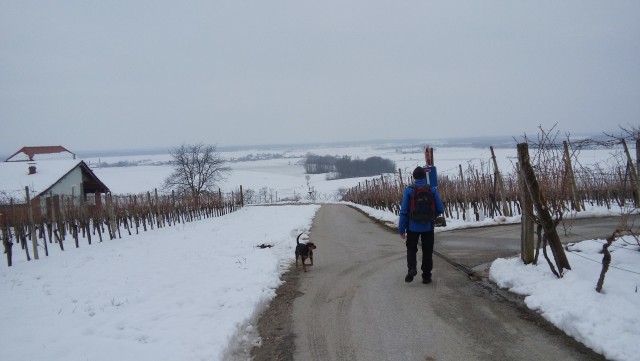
422,207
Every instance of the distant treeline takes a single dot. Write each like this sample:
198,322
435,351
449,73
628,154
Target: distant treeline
260,156
135,163
128,163
345,167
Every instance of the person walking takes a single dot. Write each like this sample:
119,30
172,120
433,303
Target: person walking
412,229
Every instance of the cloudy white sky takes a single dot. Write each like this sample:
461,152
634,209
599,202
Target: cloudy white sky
94,75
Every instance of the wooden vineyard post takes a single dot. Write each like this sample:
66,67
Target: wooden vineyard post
632,175
176,214
97,216
116,222
527,246
18,227
62,216
498,178
540,204
157,200
149,210
72,218
32,231
111,214
568,169
5,239
638,166
83,215
54,220
241,197
465,210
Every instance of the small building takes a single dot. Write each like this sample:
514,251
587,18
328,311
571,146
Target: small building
71,178
30,154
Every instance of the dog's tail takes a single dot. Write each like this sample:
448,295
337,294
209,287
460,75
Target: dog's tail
298,239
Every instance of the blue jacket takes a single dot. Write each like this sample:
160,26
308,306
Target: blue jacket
405,224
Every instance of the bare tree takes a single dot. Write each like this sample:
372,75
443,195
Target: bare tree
197,168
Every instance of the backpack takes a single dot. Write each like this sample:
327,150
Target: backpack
422,207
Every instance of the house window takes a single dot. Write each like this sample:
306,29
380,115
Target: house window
90,199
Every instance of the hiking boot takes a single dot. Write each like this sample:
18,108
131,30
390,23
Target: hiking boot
410,275
426,281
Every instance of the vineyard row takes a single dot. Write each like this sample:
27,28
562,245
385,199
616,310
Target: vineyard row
58,219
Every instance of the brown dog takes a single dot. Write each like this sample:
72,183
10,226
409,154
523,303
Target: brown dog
304,251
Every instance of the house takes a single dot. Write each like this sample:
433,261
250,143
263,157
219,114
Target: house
27,154
47,182
71,178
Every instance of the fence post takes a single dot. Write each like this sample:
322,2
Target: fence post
527,244
541,207
568,169
112,216
498,177
465,210
32,231
632,175
5,239
638,165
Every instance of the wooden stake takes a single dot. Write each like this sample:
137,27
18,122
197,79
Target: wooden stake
540,205
32,231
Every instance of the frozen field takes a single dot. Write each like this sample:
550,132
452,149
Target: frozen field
286,176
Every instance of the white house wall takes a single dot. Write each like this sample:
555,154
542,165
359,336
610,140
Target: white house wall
70,184
67,186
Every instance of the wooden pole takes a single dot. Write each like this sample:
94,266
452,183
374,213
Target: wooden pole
157,207
638,165
527,243
5,239
465,209
542,210
571,178
500,184
112,216
32,231
632,175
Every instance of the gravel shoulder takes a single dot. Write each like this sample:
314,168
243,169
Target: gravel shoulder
275,325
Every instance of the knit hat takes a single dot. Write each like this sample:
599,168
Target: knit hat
419,173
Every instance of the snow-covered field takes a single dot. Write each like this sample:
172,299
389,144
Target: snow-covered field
193,292
286,176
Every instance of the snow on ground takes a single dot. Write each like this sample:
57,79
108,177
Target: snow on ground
185,292
607,322
192,292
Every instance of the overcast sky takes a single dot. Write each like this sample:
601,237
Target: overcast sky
96,75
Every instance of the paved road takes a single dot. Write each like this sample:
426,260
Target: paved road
354,305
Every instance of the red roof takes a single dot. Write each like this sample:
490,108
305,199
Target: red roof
32,151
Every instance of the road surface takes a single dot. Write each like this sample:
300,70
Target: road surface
353,304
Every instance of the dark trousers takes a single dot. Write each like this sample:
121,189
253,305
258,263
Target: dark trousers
427,239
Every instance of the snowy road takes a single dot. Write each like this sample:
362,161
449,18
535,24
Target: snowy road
355,305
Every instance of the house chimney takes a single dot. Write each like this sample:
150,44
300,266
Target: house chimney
32,168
